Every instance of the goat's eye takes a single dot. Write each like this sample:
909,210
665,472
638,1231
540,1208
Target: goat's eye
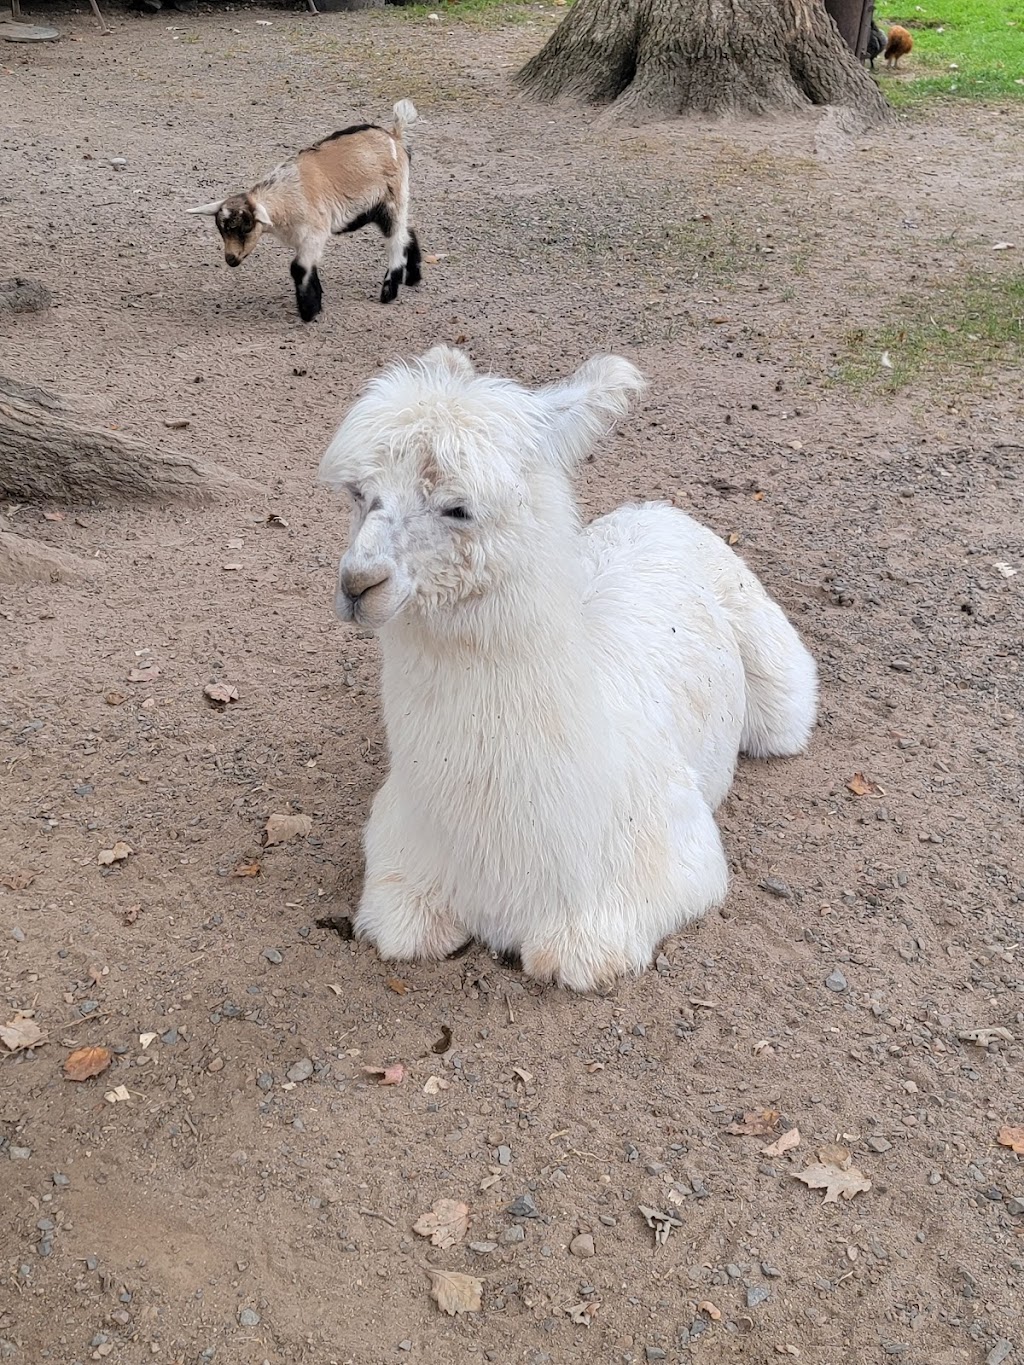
458,513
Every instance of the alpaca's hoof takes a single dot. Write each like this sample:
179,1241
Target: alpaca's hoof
577,969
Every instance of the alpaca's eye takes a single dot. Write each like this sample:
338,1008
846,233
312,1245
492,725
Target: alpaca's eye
457,513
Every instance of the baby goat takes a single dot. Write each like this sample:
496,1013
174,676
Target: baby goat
357,176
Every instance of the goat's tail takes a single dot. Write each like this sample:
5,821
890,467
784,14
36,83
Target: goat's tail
403,116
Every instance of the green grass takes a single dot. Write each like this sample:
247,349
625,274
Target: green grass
964,331
982,39
484,13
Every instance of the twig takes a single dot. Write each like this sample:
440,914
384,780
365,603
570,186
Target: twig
369,1213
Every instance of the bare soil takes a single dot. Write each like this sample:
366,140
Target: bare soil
223,1212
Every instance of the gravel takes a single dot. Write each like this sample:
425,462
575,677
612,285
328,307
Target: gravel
582,1246
523,1207
300,1070
248,1317
835,981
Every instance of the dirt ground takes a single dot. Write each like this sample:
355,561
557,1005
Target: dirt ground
224,1212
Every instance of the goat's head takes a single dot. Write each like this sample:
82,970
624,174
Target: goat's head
241,221
459,481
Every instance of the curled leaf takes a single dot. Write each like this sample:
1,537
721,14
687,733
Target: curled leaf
221,692
706,1306
86,1062
756,1123
454,1293
834,1180
144,675
280,828
446,1224
1012,1138
248,869
18,879
444,1042
863,786
786,1143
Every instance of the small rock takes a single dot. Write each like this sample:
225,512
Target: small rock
770,1272
835,981
217,1064
18,934
20,1153
513,1234
878,1144
265,1080
504,1155
300,1070
999,1352
583,1245
118,162
248,1317
756,1295
607,1220
483,1248
662,964
1016,1204
654,1353
405,1345
523,1207
169,1037
88,1006
934,1177
777,887
272,955
60,1180
901,665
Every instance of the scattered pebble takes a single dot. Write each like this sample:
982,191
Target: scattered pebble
170,1036
999,1352
777,887
878,1144
18,934
756,1295
248,1317
513,1234
20,1153
483,1248
654,1353
504,1155
523,1207
835,981
265,1080
582,1246
1016,1204
272,955
300,1070
60,1180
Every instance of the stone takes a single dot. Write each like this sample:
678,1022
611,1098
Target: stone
878,1144
300,1070
776,887
272,955
248,1317
756,1295
582,1246
835,981
523,1207
513,1234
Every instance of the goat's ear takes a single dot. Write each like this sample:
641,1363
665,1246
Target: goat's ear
208,209
449,361
586,406
261,215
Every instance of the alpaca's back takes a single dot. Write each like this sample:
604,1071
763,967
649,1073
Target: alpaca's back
688,639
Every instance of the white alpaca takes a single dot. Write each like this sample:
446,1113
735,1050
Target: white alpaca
564,705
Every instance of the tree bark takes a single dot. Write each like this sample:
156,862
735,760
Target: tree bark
47,456
661,58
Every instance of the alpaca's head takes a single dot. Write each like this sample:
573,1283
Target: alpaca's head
460,481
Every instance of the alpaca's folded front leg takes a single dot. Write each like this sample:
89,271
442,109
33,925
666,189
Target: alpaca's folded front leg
580,962
401,911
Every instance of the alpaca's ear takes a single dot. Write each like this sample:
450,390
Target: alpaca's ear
447,360
586,406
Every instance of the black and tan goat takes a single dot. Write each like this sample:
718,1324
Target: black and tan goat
351,179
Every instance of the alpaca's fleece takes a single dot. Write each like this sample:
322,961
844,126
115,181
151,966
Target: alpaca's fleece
564,705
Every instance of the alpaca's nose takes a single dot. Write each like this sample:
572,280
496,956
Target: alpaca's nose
356,582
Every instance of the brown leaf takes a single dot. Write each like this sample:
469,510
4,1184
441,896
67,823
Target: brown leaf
85,1062
834,1154
221,692
863,786
789,1139
756,1123
18,879
446,1224
444,1042
21,1032
387,1075
114,698
248,869
1012,1138
395,984
144,675
53,516
454,1293
132,914
835,1181
706,1306
117,854
583,1313
279,828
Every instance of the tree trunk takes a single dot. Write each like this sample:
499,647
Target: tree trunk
46,456
661,58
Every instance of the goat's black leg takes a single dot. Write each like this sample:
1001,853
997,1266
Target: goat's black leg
389,289
308,294
413,259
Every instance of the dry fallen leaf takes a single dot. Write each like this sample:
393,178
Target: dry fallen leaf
454,1293
145,1039
21,1032
1012,1138
833,1154
53,516
114,698
387,1075
789,1139
835,1179
117,854
435,1084
395,984
248,869
525,1076
660,1223
144,675
706,1306
221,692
132,914
985,1036
18,879
281,827
446,1224
756,1123
863,786
86,1062
275,519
